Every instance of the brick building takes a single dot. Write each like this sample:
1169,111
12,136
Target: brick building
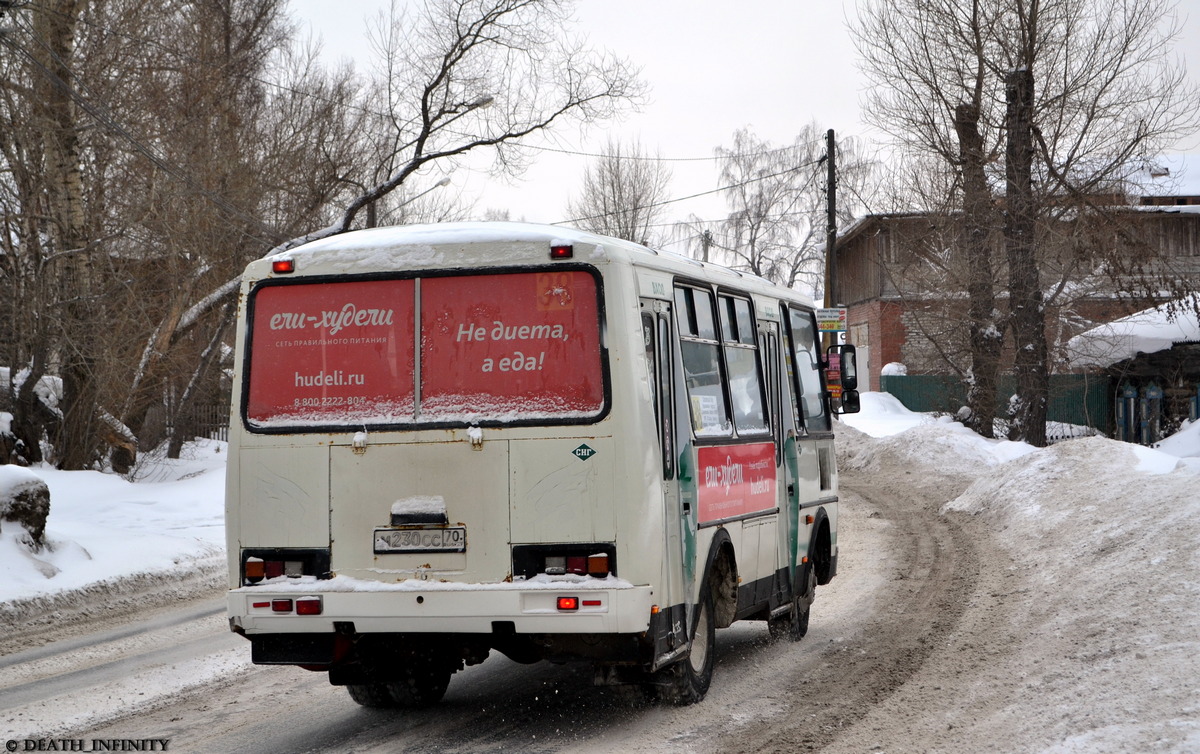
902,280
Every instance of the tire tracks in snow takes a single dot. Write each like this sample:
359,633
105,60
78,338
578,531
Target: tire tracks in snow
935,569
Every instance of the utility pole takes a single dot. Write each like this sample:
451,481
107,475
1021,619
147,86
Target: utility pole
830,220
830,228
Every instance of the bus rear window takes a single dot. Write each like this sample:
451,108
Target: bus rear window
495,348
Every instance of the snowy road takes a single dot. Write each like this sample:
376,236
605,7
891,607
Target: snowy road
905,577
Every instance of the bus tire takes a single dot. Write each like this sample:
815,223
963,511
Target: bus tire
374,695
794,623
686,682
422,683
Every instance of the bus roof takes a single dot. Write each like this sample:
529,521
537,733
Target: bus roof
425,246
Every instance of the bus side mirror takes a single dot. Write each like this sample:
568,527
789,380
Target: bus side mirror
850,402
848,364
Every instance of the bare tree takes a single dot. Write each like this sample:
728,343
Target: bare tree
622,193
186,137
164,172
776,199
459,76
1107,97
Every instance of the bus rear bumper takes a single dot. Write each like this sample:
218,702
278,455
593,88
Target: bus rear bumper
462,610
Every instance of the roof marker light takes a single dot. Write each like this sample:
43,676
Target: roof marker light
565,251
283,266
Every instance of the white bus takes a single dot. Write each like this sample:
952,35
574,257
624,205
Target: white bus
453,439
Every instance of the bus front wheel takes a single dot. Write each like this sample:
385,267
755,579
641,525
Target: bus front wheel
687,681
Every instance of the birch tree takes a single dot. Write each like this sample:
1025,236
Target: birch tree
776,200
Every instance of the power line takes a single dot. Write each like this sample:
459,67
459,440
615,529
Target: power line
691,196
652,158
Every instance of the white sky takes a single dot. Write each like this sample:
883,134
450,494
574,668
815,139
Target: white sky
712,67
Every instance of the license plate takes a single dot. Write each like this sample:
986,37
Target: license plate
440,539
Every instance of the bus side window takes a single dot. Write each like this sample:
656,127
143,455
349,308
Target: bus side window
741,358
808,381
701,355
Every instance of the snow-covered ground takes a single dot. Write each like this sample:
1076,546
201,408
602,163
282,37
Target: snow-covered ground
1094,639
102,528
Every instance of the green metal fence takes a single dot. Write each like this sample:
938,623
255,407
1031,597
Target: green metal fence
1082,400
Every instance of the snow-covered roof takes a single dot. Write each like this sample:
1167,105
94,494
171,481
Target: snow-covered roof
1147,331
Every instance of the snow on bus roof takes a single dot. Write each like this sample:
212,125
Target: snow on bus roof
439,234
419,244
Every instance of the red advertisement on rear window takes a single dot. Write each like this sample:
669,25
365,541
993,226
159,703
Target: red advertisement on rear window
500,347
735,480
510,347
327,353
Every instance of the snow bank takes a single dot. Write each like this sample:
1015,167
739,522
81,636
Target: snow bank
1106,535
1183,444
918,439
1104,545
102,527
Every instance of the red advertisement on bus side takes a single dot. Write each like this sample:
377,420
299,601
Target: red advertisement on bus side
735,480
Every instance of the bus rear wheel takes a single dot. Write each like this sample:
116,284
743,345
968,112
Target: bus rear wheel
687,681
423,683
420,683
375,695
794,623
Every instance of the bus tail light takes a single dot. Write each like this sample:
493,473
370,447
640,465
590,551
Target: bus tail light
308,606
580,565
281,606
596,559
568,603
264,564
597,565
253,570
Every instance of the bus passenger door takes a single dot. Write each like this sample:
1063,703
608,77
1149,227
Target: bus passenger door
802,474
679,523
783,436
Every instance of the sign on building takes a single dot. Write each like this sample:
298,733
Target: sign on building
831,320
